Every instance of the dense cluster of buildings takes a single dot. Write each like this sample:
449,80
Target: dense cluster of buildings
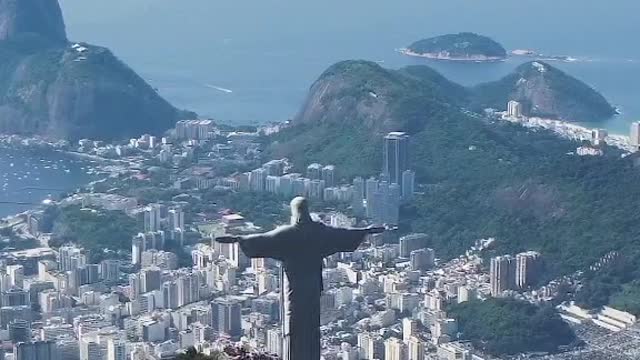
387,300
376,199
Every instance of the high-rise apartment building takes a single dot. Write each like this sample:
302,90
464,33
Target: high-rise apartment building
116,349
502,274
634,136
257,180
150,279
394,349
395,157
422,259
134,286
329,175
370,346
71,257
408,184
226,316
415,349
175,219
514,109
170,295
152,217
527,268
411,242
409,328
314,171
38,350
110,270
274,342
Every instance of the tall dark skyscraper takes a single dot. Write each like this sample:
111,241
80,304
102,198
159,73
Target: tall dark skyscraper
395,157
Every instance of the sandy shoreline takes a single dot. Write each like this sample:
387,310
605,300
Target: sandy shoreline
571,131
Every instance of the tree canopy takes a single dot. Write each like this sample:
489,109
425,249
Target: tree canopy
507,326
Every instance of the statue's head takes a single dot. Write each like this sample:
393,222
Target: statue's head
300,210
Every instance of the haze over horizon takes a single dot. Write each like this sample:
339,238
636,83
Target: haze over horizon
188,49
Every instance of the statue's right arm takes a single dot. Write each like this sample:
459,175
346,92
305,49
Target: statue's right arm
228,239
269,244
231,239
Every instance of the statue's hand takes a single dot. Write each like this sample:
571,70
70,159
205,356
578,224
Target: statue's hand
375,229
228,239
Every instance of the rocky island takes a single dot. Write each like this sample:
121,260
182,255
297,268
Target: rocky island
52,87
464,46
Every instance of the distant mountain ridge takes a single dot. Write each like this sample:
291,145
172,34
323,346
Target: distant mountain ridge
483,178
363,95
58,89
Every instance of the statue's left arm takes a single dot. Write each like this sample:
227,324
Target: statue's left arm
346,240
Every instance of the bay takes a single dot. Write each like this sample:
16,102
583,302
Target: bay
29,177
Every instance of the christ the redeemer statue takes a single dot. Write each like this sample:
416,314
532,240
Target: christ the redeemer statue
301,247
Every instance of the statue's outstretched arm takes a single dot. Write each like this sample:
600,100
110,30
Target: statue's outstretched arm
259,245
346,240
231,239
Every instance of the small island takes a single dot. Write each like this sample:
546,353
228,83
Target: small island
464,46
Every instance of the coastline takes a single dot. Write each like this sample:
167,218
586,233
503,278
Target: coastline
569,130
444,57
94,166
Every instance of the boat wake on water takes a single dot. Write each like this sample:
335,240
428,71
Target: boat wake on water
224,90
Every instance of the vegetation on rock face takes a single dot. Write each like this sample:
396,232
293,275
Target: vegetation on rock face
544,91
507,326
49,88
42,18
482,179
462,45
59,92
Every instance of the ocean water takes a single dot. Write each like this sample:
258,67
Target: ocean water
251,61
28,178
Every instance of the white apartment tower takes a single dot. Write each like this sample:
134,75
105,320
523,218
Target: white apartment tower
514,109
527,268
409,329
634,136
502,274
415,349
394,349
116,350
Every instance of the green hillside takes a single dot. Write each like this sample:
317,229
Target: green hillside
481,178
461,45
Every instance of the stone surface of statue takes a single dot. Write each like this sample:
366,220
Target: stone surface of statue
301,247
